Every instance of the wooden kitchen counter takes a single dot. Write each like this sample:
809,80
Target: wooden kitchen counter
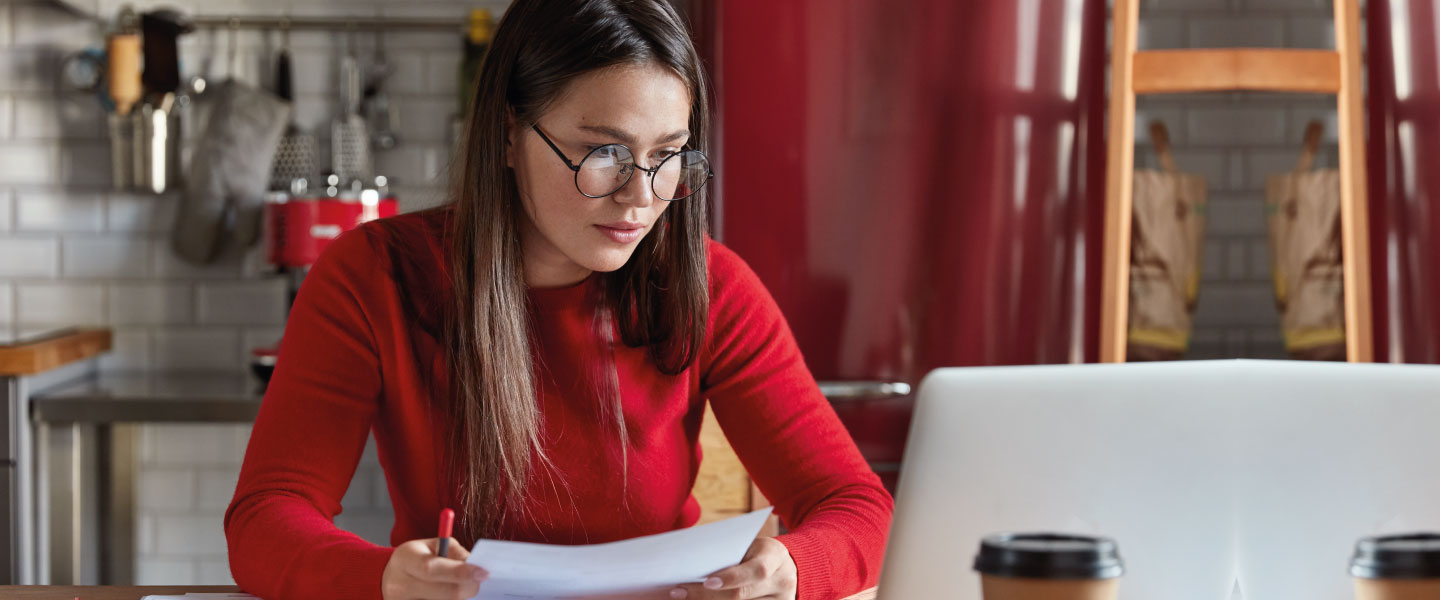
35,356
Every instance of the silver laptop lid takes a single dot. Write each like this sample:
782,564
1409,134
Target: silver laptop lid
1210,475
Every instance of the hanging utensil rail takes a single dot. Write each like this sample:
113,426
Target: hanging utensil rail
327,23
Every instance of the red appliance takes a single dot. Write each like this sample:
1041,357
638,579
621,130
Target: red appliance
300,225
919,184
1403,68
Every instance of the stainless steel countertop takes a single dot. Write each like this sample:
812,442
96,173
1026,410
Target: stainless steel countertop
223,397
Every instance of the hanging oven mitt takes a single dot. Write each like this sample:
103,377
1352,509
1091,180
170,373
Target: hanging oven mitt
229,171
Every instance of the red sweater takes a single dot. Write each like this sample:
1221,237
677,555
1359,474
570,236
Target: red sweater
362,352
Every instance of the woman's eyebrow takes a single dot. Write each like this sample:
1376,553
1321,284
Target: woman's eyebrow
630,139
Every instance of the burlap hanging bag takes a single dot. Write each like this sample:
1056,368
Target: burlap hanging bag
1303,208
1167,230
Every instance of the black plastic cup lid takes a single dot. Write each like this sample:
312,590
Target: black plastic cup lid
1410,556
1049,556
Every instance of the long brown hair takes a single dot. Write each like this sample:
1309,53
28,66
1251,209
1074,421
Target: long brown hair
659,298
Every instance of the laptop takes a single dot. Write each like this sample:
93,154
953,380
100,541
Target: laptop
1218,479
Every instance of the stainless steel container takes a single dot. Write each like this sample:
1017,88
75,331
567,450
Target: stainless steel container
145,148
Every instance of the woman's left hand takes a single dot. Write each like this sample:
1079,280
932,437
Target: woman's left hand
766,573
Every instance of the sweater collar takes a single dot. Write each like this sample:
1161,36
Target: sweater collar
570,296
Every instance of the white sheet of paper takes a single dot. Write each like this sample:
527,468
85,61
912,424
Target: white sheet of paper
547,572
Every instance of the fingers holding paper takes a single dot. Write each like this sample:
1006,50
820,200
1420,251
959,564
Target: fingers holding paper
646,568
766,573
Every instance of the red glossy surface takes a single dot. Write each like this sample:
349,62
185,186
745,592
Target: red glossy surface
920,184
298,230
1404,108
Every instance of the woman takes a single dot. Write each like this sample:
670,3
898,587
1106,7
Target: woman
479,342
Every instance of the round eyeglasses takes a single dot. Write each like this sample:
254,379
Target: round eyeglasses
608,168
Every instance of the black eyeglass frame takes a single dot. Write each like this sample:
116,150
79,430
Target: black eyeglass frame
709,173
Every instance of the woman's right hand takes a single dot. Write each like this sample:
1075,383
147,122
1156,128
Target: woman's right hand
416,573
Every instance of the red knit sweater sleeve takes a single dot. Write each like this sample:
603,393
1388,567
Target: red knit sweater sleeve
789,439
312,427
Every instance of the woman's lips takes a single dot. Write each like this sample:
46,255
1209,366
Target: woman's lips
622,234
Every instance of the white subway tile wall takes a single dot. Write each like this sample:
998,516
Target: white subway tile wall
198,535
7,202
1236,214
1236,141
151,304
257,303
82,164
148,568
214,569
29,163
105,257
197,349
61,304
1158,33
216,488
187,474
28,257
1237,31
1183,6
1239,126
74,251
7,304
129,350
165,265
45,212
367,502
45,25
167,489
261,337
77,117
136,214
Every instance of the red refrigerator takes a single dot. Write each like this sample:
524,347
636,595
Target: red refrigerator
1403,71
919,184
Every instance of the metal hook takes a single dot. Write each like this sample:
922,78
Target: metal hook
230,52
379,33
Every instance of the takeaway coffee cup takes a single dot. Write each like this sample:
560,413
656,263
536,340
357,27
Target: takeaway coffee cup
1048,566
1397,567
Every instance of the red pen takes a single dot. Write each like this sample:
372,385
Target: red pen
447,521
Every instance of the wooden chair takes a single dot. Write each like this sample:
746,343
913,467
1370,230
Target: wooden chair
722,487
1335,71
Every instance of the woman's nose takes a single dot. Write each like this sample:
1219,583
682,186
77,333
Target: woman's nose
637,190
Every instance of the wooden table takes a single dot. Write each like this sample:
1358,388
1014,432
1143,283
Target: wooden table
60,592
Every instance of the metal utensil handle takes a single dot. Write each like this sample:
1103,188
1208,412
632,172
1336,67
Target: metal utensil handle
232,56
857,390
350,85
